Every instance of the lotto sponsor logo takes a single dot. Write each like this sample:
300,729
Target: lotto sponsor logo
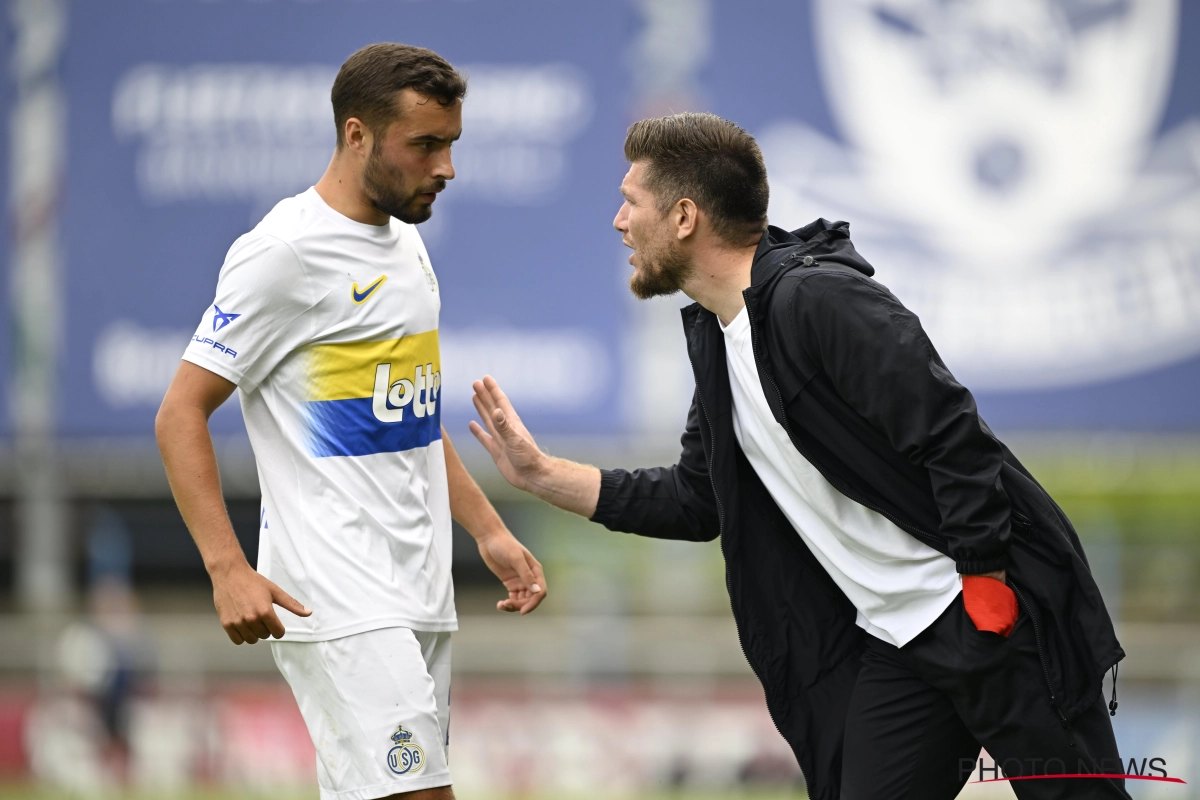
419,395
374,397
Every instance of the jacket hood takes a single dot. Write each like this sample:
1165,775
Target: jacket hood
827,242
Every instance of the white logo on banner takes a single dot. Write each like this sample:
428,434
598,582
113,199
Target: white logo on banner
229,132
1001,171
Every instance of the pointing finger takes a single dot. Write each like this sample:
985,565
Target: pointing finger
282,598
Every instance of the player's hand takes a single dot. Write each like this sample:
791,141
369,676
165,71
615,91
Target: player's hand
246,601
511,446
517,569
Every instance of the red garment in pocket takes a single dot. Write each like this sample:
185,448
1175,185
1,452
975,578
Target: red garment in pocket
990,604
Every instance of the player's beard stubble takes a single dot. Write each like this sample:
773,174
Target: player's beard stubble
387,189
663,272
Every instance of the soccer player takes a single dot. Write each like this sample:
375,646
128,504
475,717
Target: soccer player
903,587
326,320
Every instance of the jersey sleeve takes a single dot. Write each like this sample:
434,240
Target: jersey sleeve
259,314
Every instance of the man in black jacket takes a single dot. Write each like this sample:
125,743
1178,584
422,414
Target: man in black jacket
903,587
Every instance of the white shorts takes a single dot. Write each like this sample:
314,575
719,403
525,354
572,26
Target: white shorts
377,705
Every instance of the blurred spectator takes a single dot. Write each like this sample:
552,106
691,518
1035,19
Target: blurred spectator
104,658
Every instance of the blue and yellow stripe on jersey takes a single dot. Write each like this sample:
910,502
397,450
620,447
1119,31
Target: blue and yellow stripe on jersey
374,397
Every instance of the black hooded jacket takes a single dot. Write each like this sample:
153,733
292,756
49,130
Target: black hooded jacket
850,374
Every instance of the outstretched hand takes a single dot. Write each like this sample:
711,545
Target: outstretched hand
506,439
517,569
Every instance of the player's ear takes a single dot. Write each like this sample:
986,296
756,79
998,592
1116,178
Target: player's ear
357,136
685,215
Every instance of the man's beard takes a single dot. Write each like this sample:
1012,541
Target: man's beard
663,272
385,187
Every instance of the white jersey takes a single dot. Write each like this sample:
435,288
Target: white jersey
329,329
898,584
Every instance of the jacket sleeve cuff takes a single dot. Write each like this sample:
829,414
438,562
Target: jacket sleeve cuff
980,565
607,505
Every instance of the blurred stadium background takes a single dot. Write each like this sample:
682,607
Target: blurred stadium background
1024,173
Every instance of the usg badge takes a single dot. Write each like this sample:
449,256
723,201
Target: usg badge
407,756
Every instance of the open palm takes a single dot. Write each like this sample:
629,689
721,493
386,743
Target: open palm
506,439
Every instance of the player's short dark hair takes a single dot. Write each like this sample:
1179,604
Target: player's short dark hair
710,160
367,84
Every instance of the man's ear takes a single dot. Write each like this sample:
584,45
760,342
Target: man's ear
357,136
687,219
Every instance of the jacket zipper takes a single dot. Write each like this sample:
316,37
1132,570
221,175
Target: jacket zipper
1037,638
712,433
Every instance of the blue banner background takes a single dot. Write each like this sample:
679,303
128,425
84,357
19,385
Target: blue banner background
537,272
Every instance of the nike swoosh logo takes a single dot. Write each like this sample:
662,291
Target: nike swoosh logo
361,297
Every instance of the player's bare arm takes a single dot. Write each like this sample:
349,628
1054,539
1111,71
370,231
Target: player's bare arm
565,484
507,558
244,599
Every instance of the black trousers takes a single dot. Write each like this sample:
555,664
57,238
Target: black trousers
919,714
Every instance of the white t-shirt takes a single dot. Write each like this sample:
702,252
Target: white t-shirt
898,584
329,328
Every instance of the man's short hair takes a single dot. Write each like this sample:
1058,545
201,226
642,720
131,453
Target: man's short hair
710,160
367,84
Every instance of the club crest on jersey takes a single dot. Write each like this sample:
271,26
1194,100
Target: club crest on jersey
429,277
390,399
407,756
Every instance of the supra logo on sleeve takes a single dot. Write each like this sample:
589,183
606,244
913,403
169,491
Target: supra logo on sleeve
221,319
229,351
407,756
361,297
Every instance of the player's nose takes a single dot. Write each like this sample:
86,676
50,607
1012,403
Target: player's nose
621,221
444,169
